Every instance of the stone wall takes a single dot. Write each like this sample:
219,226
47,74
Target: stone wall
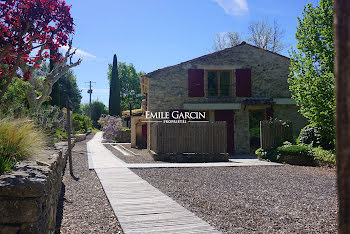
241,135
290,113
124,136
29,195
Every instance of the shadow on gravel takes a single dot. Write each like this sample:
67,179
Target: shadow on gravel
59,215
74,177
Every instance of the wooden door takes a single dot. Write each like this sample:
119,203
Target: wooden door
228,117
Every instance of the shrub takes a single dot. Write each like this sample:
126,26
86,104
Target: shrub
20,138
270,154
111,127
48,118
309,135
324,156
81,123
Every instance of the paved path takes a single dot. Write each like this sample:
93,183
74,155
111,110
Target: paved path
139,207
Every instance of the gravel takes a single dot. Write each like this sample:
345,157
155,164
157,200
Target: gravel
260,199
83,206
141,155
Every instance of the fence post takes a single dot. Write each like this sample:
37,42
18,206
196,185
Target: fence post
69,107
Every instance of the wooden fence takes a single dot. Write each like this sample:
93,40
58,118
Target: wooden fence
189,138
274,133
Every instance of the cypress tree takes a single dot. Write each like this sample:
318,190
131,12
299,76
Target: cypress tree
114,90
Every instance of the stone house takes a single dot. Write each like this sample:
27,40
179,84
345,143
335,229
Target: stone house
233,85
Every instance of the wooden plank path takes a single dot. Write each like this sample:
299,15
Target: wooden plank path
139,207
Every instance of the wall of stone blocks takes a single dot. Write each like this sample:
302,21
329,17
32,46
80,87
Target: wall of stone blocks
290,113
29,195
124,136
241,135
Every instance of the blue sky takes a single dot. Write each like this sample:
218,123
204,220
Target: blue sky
153,34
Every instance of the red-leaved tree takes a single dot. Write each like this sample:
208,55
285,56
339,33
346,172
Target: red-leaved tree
29,29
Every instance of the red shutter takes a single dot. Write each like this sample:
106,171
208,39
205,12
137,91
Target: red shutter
243,83
196,83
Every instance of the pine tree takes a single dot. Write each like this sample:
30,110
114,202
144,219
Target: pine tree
114,90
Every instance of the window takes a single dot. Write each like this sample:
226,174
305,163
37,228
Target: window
219,83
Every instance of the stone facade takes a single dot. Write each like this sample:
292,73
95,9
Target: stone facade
167,88
241,134
29,195
290,113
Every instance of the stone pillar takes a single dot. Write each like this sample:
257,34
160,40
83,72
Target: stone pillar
242,141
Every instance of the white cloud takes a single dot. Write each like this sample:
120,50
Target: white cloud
234,7
79,52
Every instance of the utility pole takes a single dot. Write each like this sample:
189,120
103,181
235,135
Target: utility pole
90,92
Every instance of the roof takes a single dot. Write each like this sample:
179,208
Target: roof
216,52
134,112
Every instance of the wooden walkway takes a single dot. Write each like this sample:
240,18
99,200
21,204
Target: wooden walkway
139,207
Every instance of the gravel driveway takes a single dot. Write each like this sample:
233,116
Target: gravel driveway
84,207
253,199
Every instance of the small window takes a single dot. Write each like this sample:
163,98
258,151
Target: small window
213,84
219,83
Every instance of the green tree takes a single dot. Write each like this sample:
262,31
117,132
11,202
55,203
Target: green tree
66,85
312,69
130,90
15,102
97,109
114,90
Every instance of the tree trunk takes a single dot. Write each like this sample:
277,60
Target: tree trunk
342,75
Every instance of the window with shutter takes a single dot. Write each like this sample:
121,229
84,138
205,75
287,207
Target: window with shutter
243,83
196,83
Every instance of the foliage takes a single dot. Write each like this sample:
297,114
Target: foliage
97,110
15,97
305,155
84,109
111,127
114,90
312,69
270,154
130,91
324,155
26,25
61,134
7,160
81,123
309,135
20,138
66,86
48,118
260,34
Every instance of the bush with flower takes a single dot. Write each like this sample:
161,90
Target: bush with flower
111,126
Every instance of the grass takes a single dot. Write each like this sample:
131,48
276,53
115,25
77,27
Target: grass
20,138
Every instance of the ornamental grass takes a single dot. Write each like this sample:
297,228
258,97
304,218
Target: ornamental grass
20,139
